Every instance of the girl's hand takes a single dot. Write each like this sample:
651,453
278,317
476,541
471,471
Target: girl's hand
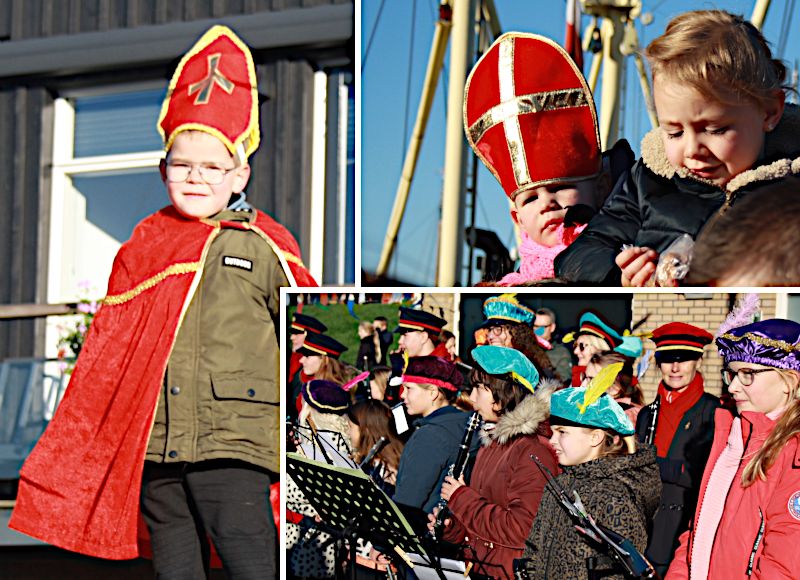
432,519
378,557
637,264
450,485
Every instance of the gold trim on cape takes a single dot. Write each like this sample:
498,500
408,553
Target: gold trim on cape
173,270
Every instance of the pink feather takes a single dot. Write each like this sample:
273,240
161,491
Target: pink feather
743,313
351,383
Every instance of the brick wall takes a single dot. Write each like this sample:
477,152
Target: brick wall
442,305
704,310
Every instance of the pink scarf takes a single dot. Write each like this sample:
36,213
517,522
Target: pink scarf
536,260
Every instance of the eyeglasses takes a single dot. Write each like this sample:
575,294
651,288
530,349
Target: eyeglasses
498,330
180,172
745,376
581,346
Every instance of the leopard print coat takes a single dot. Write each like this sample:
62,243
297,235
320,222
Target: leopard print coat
622,493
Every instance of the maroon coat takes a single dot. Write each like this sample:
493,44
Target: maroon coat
494,514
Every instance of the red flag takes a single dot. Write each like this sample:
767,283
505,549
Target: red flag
572,39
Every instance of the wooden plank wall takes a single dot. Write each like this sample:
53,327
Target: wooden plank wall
280,184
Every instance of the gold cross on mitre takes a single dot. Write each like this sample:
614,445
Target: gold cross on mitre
205,86
512,106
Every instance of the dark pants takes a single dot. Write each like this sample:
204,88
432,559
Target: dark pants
184,504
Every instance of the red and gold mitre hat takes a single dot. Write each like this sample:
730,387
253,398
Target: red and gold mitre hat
214,90
529,114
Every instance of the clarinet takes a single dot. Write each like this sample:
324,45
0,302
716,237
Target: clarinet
650,436
456,470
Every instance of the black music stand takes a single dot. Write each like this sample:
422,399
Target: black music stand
350,503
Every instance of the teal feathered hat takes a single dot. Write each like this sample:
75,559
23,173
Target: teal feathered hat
501,360
506,309
631,346
591,406
593,325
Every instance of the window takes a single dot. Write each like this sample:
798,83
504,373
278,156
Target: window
105,179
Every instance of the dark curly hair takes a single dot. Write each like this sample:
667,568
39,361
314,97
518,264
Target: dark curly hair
524,340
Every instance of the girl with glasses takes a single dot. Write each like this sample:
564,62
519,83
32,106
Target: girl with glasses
747,521
509,324
594,336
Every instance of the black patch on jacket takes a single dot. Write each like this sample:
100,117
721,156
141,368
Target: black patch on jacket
234,262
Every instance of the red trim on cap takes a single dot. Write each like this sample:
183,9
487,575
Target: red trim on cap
600,332
429,381
414,325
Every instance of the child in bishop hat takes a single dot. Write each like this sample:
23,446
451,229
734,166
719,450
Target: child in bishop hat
618,484
176,389
494,513
530,117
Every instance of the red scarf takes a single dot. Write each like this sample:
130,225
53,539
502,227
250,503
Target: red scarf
577,375
671,413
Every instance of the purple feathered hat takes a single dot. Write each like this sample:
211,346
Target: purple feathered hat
326,396
774,343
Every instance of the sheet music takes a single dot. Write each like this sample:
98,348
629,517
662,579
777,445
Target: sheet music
331,441
451,569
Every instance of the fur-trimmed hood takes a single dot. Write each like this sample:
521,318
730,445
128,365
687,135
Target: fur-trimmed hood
525,418
781,156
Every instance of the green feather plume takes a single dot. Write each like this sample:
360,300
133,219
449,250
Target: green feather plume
599,385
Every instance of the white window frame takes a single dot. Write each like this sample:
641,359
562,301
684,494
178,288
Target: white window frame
65,166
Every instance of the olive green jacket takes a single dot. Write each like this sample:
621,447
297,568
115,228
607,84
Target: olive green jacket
220,397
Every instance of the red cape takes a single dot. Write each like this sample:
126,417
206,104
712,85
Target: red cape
79,488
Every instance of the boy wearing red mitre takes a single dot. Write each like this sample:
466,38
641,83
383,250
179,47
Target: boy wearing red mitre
530,117
175,396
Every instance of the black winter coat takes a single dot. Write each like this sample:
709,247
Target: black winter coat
681,475
428,455
655,204
365,359
619,492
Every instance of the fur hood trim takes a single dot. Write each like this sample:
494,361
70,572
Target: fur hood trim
780,142
525,418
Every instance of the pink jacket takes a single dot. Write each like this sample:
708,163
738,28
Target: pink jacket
760,527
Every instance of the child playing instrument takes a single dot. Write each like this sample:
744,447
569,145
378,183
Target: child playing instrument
176,388
719,96
618,484
431,386
530,117
495,512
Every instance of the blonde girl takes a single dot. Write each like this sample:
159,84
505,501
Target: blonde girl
320,358
747,521
618,484
723,129
369,350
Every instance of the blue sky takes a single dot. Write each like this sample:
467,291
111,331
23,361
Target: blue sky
393,68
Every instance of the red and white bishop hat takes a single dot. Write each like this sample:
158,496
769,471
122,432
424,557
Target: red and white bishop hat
529,114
